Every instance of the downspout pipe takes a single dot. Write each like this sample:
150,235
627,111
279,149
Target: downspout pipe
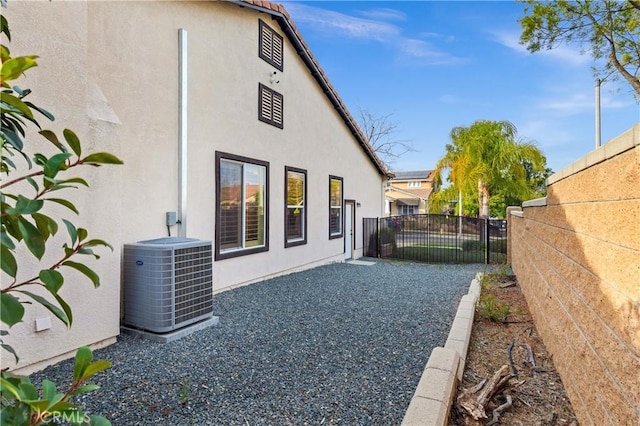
182,133
598,133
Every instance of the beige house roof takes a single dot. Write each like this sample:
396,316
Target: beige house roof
280,14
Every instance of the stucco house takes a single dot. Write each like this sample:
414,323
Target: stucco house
408,193
222,115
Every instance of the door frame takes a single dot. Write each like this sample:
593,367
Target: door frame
350,227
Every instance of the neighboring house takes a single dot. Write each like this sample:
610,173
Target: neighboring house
408,193
221,114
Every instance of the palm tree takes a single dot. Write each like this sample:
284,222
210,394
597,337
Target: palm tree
486,156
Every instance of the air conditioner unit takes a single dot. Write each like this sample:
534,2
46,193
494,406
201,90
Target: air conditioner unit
168,283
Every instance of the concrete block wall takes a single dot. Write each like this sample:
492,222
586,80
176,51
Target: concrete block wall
576,254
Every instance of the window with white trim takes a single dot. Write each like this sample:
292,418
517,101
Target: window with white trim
415,184
335,207
295,206
407,210
242,192
271,46
270,106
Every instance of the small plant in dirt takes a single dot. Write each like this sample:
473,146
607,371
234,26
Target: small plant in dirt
489,306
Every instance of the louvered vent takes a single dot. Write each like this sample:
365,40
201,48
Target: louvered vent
271,46
270,106
168,283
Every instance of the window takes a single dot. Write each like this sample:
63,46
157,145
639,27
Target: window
295,207
270,105
335,207
270,46
415,184
242,193
407,210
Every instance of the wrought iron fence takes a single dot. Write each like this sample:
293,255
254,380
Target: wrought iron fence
436,238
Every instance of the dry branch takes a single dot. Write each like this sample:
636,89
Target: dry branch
473,404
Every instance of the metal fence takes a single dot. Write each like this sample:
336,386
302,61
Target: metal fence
436,238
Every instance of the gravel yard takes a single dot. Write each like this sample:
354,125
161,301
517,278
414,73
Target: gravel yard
337,344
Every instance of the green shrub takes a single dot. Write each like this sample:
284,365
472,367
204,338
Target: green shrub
473,245
498,246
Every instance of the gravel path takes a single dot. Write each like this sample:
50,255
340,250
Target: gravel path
338,344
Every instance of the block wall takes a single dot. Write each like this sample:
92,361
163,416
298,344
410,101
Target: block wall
576,254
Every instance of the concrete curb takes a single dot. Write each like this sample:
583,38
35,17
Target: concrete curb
431,402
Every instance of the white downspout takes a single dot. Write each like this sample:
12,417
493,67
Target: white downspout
598,134
182,134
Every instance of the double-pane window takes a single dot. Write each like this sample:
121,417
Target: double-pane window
335,207
296,207
242,196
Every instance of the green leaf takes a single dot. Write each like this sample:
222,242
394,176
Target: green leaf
84,356
26,206
74,180
41,111
48,390
59,313
101,158
8,262
64,305
96,242
9,388
95,279
6,240
99,421
73,233
73,141
82,234
56,164
12,310
32,237
51,279
28,391
33,183
95,367
68,204
14,67
84,389
45,224
15,102
53,138
10,349
13,139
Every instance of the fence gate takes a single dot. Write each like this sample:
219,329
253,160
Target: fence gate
436,239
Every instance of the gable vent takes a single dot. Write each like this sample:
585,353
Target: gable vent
271,46
270,106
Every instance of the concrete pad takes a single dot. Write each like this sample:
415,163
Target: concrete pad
173,335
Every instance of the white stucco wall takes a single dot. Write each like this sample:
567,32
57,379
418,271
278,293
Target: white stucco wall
110,71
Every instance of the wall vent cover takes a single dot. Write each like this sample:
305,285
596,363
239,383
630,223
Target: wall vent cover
168,283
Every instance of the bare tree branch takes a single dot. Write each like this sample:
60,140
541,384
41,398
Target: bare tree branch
381,133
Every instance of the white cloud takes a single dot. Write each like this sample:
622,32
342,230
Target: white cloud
384,14
339,24
375,28
420,49
563,53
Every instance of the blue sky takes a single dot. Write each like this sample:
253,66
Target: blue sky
435,65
